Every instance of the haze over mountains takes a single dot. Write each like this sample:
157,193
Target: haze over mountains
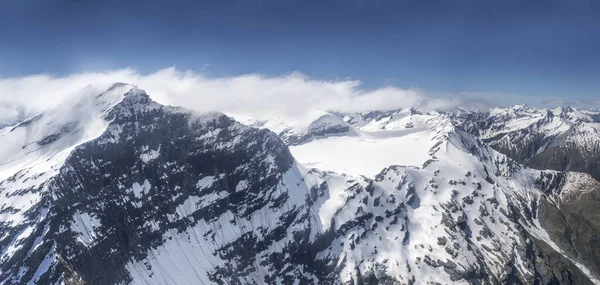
111,187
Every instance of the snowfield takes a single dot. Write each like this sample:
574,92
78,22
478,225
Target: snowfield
367,154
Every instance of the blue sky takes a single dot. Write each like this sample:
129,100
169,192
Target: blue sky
547,48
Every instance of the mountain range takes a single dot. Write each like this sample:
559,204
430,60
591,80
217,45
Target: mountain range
115,188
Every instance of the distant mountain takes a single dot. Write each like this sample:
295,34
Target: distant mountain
118,189
559,139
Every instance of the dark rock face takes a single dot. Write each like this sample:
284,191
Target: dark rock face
551,267
133,177
96,175
572,222
568,158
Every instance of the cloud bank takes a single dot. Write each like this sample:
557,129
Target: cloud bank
291,95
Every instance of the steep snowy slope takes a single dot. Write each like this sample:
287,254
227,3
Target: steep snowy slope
138,193
463,213
32,153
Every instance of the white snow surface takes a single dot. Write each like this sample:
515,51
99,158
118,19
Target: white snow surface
140,190
366,154
149,154
85,225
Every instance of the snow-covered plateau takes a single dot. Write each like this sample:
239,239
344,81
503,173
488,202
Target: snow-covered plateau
117,189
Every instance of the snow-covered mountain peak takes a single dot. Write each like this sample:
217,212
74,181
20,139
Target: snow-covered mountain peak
519,107
119,85
57,129
135,91
572,114
516,111
524,113
134,102
33,150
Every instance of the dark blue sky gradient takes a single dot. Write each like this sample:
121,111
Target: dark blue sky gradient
539,48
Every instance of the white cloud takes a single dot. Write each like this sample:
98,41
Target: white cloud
36,93
292,95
